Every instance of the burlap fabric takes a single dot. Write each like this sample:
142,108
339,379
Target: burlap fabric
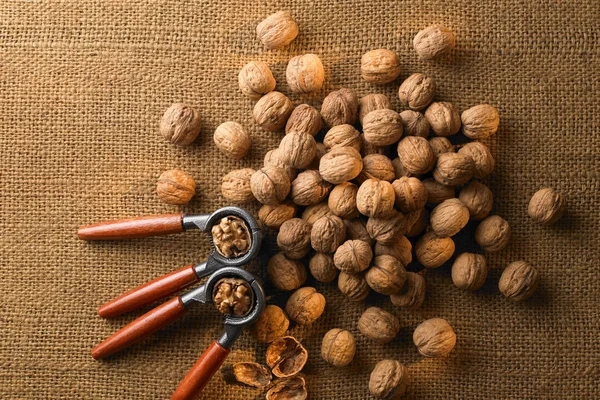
83,84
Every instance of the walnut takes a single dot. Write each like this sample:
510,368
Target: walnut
353,286
293,388
378,325
436,192
274,158
338,347
372,102
340,107
284,273
305,305
389,380
375,198
493,234
286,356
341,164
235,185
252,374
272,111
356,229
420,223
440,145
434,338
433,251
232,139
353,256
175,187
270,185
519,281
277,30
309,188
478,198
297,149
414,124
433,42
180,124
376,166
271,324
416,155
410,193
482,158
342,200
469,271
322,267
399,169
231,237
385,230
453,169
546,206
400,248
417,92
275,215
448,218
256,79
306,119
305,73
382,127
412,294
233,296
294,238
327,234
342,136
380,66
386,275
443,118
321,151
314,212
480,122
367,148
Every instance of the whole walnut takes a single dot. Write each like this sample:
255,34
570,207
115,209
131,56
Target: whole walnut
180,124
546,206
389,380
306,119
252,374
293,388
478,198
342,200
327,234
448,218
385,229
297,149
353,256
433,42
443,118
271,324
270,185
277,30
519,281
340,107
338,347
380,66
480,122
417,91
436,192
375,198
235,186
275,215
482,158
314,212
400,248
175,187
305,305
341,164
284,273
256,79
322,268
414,124
305,73
294,238
434,338
410,194
453,169
376,166
378,325
382,127
353,286
274,158
493,234
399,169
386,275
433,251
416,155
412,294
420,223
469,271
342,136
356,229
232,139
272,111
286,356
440,145
372,102
309,188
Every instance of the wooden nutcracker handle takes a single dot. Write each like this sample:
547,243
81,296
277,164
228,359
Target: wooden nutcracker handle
139,227
204,369
141,328
159,288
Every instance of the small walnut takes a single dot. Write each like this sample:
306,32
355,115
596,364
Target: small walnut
376,166
519,281
478,198
420,223
342,200
386,275
252,374
453,169
235,186
399,168
256,79
433,42
414,124
353,286
305,305
297,149
417,92
412,294
175,187
433,251
448,218
411,194
341,164
231,237
342,136
294,238
400,248
340,107
416,155
372,102
327,234
305,73
380,66
389,380
286,356
232,139
469,271
356,229
270,185
375,198
272,324
180,124
314,212
493,234
482,158
440,145
480,122
353,256
293,388
338,347
546,206
277,30
309,188
443,118
434,338
273,158
378,325
284,273
322,267
233,296
306,119
382,127
272,111
385,229
436,192
275,215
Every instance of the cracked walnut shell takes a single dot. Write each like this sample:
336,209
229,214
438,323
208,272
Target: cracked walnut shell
386,275
232,139
412,294
353,286
434,338
340,107
231,237
294,238
378,325
448,218
380,66
327,234
375,198
284,273
389,380
233,296
433,42
270,185
286,356
305,305
309,188
305,119
272,324
469,271
256,79
546,206
480,122
382,127
433,251
518,281
493,234
235,186
453,169
175,187
252,374
293,388
417,91
372,102
416,155
353,256
338,347
272,111
277,30
341,164
274,216
180,124
305,73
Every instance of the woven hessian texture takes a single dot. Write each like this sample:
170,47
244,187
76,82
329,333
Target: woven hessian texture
82,87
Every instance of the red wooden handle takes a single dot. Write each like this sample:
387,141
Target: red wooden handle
159,288
152,225
142,327
204,369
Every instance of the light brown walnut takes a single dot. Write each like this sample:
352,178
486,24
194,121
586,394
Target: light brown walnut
309,188
519,281
175,187
342,136
414,124
384,230
314,212
376,166
380,66
180,124
417,91
480,122
322,268
382,127
482,158
353,286
275,215
416,155
400,248
412,294
493,234
353,256
434,338
356,229
327,234
478,198
235,186
284,273
297,149
338,347
342,200
270,185
341,164
443,118
389,380
306,119
386,275
436,192
305,305
453,169
294,238
433,42
410,194
378,325
433,251
277,30
232,139
375,198
449,217
469,271
440,145
546,206
256,79
272,324
274,158
272,111
305,73
340,107
419,223
372,102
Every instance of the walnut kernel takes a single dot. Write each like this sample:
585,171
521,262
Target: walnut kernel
233,296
